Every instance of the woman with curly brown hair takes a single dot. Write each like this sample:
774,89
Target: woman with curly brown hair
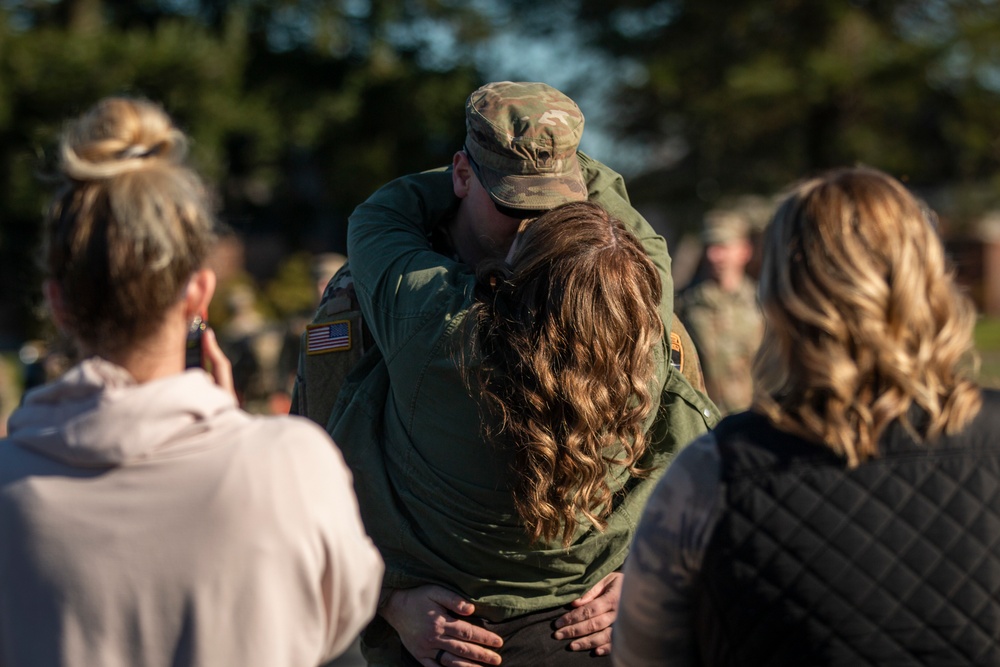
567,331
851,517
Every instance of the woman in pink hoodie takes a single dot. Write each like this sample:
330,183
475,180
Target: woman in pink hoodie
144,518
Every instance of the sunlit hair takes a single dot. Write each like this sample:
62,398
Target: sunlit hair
863,317
129,227
567,332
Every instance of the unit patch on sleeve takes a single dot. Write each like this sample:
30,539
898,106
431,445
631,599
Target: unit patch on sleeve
328,337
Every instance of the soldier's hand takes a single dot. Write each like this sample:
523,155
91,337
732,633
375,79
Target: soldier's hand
424,618
589,624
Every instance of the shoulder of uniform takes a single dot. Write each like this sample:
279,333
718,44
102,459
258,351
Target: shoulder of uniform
749,284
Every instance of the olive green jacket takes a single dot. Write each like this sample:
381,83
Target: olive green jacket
434,495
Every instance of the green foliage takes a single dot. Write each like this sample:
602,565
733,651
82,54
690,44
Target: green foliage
293,290
987,337
759,93
220,312
297,110
47,76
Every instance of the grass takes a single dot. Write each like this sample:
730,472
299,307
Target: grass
987,338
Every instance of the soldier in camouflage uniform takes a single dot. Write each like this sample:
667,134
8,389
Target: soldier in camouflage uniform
519,160
721,311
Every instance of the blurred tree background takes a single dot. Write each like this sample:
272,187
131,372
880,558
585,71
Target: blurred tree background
727,97
297,110
300,109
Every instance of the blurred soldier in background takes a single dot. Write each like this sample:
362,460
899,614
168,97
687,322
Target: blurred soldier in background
721,310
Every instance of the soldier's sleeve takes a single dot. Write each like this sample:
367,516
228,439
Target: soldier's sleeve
338,337
606,187
330,347
399,279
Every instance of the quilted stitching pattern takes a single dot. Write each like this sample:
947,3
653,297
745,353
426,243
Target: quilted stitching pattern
897,561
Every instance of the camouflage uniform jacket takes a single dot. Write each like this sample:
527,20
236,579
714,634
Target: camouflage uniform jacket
434,495
727,328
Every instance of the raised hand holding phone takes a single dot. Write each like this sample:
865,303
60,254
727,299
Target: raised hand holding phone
217,364
202,350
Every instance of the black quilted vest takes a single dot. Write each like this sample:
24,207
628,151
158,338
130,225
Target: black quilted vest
896,562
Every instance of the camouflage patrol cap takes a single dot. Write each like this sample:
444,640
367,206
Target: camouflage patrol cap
725,226
523,138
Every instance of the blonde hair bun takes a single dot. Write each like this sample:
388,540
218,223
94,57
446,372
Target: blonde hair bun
130,225
119,136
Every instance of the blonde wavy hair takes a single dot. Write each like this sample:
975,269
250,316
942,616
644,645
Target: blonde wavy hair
567,334
863,317
130,225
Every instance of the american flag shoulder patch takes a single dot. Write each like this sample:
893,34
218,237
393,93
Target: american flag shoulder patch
328,337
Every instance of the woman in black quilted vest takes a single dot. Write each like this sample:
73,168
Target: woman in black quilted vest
852,517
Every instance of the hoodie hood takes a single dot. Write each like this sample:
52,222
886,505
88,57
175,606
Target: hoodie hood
97,415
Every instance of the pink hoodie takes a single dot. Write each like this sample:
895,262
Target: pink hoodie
158,524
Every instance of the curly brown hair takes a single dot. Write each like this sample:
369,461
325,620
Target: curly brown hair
863,317
568,332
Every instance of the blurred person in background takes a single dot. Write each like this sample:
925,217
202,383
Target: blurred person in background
852,516
721,311
145,519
